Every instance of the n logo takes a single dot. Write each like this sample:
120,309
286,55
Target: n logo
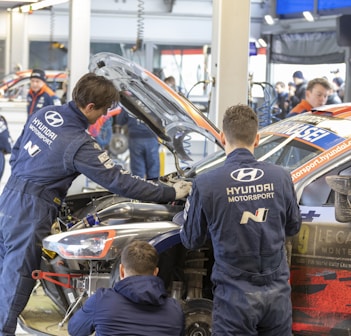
260,216
32,150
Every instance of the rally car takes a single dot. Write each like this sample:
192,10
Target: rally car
314,147
15,86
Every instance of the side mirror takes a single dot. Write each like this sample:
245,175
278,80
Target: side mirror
342,187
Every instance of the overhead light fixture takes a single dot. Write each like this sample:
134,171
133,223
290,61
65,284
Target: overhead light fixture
38,5
308,16
262,42
269,19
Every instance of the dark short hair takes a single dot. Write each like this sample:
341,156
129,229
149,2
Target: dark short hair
139,258
321,81
280,83
92,88
240,125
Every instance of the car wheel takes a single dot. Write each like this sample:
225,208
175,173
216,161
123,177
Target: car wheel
198,317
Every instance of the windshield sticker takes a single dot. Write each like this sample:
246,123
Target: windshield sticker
314,135
320,160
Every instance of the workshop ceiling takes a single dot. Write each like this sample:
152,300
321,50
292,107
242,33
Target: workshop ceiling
4,4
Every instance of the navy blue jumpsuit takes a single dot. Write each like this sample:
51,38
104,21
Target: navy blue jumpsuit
137,305
143,147
53,149
247,207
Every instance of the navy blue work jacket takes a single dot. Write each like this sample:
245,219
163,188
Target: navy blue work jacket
55,147
248,207
137,305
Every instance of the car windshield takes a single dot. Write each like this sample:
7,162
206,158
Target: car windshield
289,153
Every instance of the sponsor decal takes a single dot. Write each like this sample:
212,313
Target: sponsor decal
32,150
253,192
260,216
103,157
53,118
247,174
43,132
109,164
96,146
320,160
322,245
314,135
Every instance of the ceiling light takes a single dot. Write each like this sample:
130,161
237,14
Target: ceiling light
262,42
38,5
269,19
308,16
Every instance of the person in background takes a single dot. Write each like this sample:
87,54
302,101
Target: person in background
282,99
171,82
143,147
247,213
291,94
316,95
137,304
300,88
333,97
40,94
5,143
53,149
340,87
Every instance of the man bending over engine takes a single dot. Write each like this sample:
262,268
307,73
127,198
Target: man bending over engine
53,149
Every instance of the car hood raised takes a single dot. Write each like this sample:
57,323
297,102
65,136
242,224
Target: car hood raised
170,116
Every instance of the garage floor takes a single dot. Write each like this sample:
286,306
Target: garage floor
41,317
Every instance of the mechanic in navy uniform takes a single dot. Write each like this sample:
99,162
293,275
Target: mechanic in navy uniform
138,304
247,208
53,149
40,94
143,147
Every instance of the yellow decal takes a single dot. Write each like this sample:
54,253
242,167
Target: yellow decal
303,239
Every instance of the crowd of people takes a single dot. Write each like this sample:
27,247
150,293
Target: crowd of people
301,95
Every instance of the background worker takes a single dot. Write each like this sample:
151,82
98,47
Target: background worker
40,94
300,88
143,147
317,92
171,82
53,149
282,100
247,207
137,305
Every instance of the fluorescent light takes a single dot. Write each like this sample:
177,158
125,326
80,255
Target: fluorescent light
269,19
308,16
38,5
262,42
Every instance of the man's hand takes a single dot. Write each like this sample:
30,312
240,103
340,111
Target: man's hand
182,188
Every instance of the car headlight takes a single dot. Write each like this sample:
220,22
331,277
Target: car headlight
83,244
103,242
